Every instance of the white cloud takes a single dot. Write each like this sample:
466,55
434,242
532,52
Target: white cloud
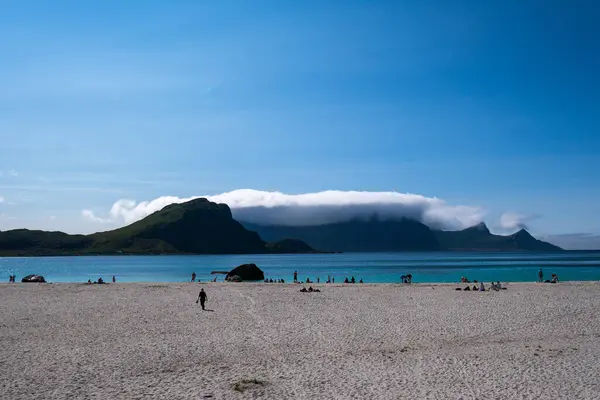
1,199
89,214
10,172
311,208
511,221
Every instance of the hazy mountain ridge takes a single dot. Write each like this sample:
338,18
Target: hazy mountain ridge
401,235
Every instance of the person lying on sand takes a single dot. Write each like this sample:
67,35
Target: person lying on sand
310,289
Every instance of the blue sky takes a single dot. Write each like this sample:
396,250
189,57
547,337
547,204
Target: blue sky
488,104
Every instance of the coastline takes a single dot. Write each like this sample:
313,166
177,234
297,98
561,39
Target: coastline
268,340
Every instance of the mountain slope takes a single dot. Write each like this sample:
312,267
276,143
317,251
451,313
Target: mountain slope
357,235
196,227
23,242
479,237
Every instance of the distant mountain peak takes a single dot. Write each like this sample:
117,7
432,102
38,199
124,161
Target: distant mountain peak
480,227
522,233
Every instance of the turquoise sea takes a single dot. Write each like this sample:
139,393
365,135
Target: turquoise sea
371,267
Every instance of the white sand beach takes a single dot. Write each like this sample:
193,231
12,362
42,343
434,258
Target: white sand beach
134,341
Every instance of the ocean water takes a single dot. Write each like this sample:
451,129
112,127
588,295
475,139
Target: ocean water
371,267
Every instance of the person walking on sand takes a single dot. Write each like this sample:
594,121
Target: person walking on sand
295,276
202,298
114,279
540,276
193,276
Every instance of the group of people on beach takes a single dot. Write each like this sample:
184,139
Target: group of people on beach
310,289
541,278
330,279
100,281
12,279
495,286
274,281
352,280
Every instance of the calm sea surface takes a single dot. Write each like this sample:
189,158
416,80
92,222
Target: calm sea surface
371,267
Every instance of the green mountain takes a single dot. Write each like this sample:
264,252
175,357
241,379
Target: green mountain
402,235
196,227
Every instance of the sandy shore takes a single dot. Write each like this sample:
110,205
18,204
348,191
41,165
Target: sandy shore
134,341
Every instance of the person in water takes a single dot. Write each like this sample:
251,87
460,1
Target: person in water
193,276
202,298
540,276
295,276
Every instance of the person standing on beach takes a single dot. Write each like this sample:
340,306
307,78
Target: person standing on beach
540,276
202,298
193,276
114,279
295,276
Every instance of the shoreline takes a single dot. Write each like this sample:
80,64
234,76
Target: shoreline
358,285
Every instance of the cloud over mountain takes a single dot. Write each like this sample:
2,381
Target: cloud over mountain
511,221
275,208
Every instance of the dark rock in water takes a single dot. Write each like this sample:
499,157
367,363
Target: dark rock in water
247,272
33,279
